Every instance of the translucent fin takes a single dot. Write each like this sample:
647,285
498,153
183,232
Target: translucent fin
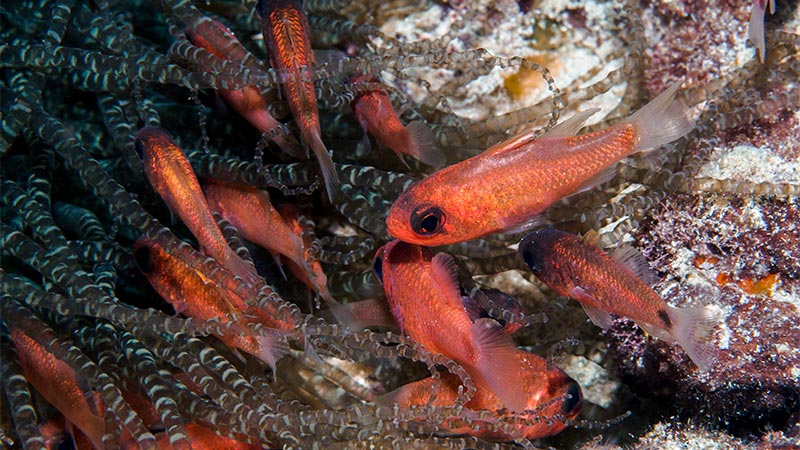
271,349
241,268
471,307
756,27
571,126
525,224
636,263
445,272
592,238
693,329
498,364
595,180
598,317
424,146
662,120
369,313
289,145
364,146
326,164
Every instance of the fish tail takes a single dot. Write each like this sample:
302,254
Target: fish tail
241,268
325,163
498,365
756,28
661,121
423,145
693,329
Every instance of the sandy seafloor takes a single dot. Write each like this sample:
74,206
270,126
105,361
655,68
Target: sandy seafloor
590,45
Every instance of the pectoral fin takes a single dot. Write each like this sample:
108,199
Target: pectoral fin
598,317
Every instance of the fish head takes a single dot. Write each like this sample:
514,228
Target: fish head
537,251
390,259
424,215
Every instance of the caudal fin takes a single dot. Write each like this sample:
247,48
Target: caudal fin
423,146
498,364
661,121
241,268
693,329
325,163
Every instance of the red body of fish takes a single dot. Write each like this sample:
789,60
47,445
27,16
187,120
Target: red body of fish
506,186
548,391
574,268
59,385
377,116
194,295
171,175
248,101
425,300
286,35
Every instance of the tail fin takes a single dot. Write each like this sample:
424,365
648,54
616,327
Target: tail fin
756,28
422,143
498,365
241,268
662,120
693,329
325,163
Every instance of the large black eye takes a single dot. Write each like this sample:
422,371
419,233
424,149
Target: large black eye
427,220
572,405
142,257
377,267
530,253
138,146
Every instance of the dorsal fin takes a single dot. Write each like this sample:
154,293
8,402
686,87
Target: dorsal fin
445,271
571,126
636,263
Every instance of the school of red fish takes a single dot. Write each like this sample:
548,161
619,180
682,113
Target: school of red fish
506,188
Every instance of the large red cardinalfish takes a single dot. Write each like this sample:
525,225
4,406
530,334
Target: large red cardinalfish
604,285
171,175
377,116
194,295
286,35
508,185
425,300
549,392
61,387
248,101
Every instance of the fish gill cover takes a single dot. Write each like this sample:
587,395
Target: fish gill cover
715,213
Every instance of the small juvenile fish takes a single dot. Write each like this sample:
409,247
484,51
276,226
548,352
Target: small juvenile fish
425,300
286,35
377,116
605,285
508,185
541,386
756,28
194,295
247,101
60,386
171,175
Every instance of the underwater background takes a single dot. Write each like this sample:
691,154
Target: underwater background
715,213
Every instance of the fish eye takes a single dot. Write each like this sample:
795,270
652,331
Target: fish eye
377,264
572,405
427,220
142,257
138,146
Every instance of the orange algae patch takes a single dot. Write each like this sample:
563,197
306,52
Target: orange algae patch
525,81
761,286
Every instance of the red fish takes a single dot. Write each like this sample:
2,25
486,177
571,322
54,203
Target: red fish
194,295
377,116
171,175
550,392
572,267
508,185
248,101
251,212
425,300
61,387
756,28
286,35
